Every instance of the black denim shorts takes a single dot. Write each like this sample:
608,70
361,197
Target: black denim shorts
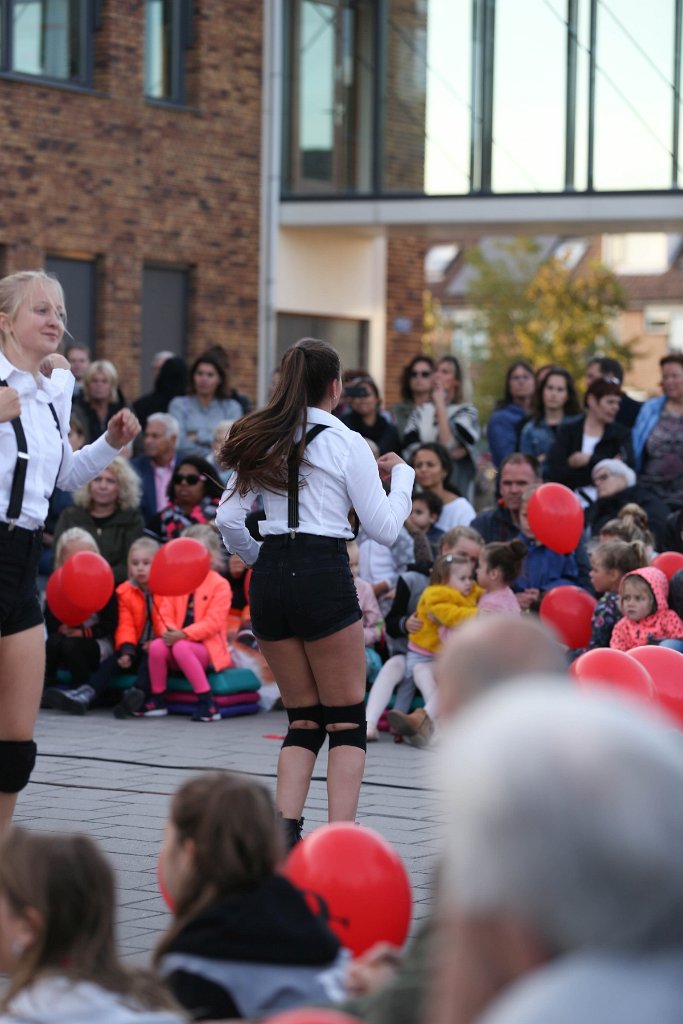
19,556
302,587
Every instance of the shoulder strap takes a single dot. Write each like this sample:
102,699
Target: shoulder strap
293,480
19,479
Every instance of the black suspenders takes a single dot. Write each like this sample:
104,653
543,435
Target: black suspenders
16,497
293,481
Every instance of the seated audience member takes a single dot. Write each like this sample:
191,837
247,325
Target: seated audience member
426,510
366,415
170,380
220,432
499,566
192,497
553,403
584,441
616,485
156,465
100,398
646,614
58,943
81,648
658,436
605,366
79,361
193,638
631,524
433,471
373,622
501,522
244,942
542,569
207,403
511,412
610,561
580,917
480,656
108,508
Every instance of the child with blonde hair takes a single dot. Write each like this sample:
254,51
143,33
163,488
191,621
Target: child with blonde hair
78,649
646,615
193,638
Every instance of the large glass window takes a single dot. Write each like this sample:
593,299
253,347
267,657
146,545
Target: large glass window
349,337
167,36
330,79
48,38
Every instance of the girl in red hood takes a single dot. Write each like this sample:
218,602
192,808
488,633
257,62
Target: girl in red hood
643,599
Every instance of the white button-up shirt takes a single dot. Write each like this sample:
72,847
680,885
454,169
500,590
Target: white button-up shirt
340,474
51,461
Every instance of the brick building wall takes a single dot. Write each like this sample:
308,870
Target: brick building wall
107,175
404,288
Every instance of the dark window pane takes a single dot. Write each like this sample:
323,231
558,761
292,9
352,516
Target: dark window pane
164,316
349,337
77,278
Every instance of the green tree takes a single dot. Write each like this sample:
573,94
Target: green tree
541,311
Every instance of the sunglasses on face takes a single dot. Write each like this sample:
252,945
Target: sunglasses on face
188,478
420,373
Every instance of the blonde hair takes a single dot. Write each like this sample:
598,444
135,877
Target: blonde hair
75,535
441,570
631,524
451,537
621,555
16,288
67,880
128,483
143,544
106,368
209,537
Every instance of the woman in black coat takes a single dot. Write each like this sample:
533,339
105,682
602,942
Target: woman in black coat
584,441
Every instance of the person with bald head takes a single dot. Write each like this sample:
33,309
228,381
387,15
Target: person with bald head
480,656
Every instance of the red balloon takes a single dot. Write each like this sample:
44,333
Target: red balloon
60,605
569,611
669,562
556,517
666,668
604,666
179,567
359,879
311,1015
87,579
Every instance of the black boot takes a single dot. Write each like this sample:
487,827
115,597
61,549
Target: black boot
75,702
291,829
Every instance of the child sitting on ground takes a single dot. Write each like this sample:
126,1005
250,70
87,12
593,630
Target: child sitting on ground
542,569
244,942
610,561
646,615
78,649
451,598
372,616
426,510
631,524
499,566
194,637
57,905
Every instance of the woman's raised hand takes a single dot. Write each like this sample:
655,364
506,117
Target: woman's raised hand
385,464
122,428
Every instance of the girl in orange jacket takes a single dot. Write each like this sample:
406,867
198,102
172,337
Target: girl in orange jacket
193,639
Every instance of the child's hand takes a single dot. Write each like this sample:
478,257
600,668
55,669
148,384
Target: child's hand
527,598
124,661
172,636
70,630
413,624
373,969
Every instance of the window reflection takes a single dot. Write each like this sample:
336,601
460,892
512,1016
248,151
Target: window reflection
46,38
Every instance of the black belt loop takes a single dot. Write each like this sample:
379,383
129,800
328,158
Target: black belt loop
293,481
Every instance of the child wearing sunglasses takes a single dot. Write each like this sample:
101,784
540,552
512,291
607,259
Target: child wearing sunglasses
193,495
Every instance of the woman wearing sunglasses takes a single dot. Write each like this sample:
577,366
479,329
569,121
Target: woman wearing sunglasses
193,495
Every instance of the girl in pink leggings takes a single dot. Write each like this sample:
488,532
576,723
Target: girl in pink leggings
194,639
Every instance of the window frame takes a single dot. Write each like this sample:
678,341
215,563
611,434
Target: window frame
88,23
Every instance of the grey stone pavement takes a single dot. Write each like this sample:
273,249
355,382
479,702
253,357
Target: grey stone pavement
113,780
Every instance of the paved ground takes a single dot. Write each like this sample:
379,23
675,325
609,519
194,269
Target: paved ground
113,779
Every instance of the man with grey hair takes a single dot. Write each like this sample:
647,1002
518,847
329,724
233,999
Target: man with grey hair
155,468
561,894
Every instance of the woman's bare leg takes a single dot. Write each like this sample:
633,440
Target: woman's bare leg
22,668
331,672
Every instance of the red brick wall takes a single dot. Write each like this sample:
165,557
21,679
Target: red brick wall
106,174
405,284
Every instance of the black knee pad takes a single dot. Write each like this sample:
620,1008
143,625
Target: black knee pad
17,760
356,737
309,739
